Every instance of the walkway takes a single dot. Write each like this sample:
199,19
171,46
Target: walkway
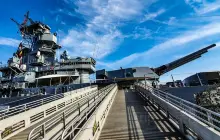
131,117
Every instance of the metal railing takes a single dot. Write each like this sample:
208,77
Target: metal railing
208,117
18,100
71,114
37,60
27,106
18,85
68,72
3,65
68,133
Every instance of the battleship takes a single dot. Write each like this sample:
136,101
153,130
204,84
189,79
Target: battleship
88,113
34,69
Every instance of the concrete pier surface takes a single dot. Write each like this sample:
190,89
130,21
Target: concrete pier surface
132,118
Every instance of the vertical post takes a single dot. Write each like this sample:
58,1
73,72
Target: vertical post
173,80
50,81
145,82
199,79
37,83
64,122
79,108
43,131
25,107
155,80
209,116
42,101
167,114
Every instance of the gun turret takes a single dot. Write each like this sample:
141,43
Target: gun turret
170,66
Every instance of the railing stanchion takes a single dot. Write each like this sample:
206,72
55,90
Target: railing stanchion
43,130
79,108
25,107
166,96
209,116
64,121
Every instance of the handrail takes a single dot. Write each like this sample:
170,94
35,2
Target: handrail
24,107
65,114
208,117
19,100
70,129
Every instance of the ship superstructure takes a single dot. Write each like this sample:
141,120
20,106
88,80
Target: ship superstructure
34,66
147,75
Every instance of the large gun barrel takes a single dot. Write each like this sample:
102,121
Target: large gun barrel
170,66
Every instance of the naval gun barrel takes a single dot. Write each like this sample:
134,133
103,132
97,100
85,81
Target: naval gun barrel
179,62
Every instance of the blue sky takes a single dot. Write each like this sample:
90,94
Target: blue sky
123,33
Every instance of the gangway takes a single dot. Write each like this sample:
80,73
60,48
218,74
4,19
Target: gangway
143,112
131,117
149,113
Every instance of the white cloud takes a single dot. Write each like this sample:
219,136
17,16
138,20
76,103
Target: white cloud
209,8
151,16
172,20
63,23
190,36
101,34
203,7
87,43
141,33
9,42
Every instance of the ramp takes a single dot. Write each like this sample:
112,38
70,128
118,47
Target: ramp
34,112
131,117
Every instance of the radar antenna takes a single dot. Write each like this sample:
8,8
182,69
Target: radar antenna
23,25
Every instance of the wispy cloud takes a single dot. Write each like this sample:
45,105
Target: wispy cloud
9,42
203,7
141,33
187,37
101,35
151,16
87,43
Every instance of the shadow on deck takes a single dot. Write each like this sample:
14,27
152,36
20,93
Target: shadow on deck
131,118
